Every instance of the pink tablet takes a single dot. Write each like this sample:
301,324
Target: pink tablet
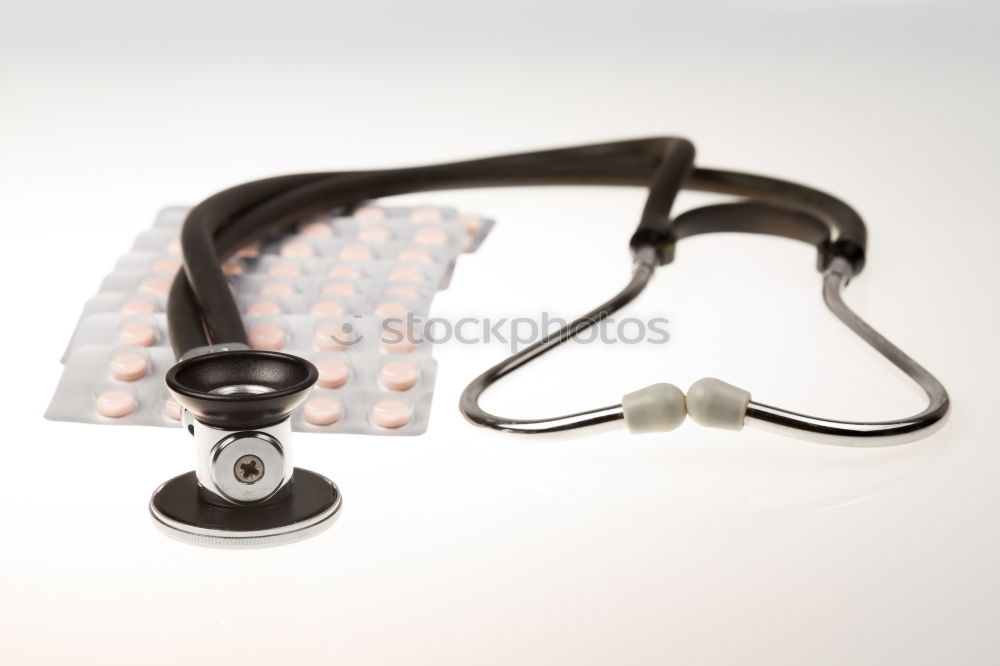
391,309
115,404
277,289
267,336
166,266
391,414
172,409
333,372
397,338
154,285
369,213
137,334
138,307
322,411
297,250
264,308
128,366
414,255
425,214
317,229
285,270
430,236
334,336
327,309
250,251
471,223
398,375
405,275
231,268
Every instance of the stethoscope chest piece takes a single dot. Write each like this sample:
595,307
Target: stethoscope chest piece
244,491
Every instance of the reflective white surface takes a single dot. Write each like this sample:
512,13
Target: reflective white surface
464,546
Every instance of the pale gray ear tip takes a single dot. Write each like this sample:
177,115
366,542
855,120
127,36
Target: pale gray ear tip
656,408
715,404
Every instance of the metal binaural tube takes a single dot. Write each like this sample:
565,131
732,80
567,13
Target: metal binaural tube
642,271
858,433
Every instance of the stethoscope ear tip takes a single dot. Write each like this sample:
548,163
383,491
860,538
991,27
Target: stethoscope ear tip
713,403
663,407
656,408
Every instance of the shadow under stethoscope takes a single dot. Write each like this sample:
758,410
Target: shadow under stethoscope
755,474
835,477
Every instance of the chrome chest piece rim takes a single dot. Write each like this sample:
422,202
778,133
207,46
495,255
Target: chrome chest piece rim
180,511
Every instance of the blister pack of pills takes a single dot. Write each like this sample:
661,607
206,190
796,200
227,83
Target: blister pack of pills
346,292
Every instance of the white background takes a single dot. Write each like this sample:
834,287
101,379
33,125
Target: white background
463,546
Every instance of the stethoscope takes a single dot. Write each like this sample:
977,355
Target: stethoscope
237,401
